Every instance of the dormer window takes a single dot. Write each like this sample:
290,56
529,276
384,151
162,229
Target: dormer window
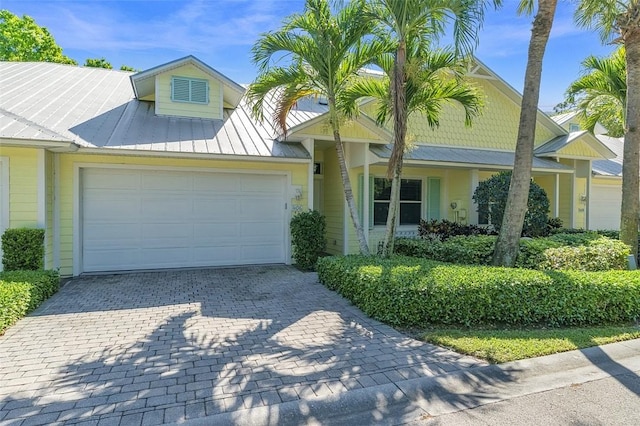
192,90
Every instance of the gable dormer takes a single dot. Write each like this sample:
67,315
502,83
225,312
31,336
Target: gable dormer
187,87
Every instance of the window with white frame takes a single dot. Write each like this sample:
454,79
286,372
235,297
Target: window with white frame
192,90
410,201
574,127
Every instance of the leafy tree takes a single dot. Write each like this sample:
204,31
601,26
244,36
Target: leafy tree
508,242
617,21
326,50
491,198
98,63
127,68
22,40
412,27
600,95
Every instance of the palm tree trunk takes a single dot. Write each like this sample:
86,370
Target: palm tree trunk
508,241
346,181
631,152
397,154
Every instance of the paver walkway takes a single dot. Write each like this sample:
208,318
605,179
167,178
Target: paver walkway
162,347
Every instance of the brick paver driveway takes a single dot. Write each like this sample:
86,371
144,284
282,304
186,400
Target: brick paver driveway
148,348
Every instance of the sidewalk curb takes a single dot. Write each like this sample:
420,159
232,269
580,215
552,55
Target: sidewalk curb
408,401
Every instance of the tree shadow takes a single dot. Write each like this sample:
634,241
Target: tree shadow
220,342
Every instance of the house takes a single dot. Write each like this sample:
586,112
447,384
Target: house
166,168
605,193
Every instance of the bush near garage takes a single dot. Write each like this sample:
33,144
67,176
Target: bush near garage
407,292
308,238
586,252
23,249
23,291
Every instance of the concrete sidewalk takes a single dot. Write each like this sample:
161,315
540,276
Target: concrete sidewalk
419,400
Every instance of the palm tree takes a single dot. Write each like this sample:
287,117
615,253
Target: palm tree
617,21
507,244
436,79
418,23
325,50
600,95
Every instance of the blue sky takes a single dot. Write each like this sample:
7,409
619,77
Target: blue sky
146,33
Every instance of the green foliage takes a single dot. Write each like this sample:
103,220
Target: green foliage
23,291
98,63
444,229
407,292
308,238
22,40
585,251
491,196
127,68
601,254
23,249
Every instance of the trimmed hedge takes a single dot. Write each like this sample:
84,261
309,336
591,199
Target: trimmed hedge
308,231
23,249
23,291
586,252
404,291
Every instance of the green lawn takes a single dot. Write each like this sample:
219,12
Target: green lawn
499,346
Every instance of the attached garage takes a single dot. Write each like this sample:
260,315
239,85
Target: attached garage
136,219
604,207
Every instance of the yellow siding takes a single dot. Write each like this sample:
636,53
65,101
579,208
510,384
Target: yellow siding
23,186
165,106
548,183
333,202
580,148
68,186
49,198
581,206
349,130
497,128
606,181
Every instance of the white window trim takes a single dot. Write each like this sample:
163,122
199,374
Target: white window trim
190,79
422,202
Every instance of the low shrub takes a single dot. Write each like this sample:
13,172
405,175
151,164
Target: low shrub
308,238
531,252
23,249
584,252
404,291
601,254
23,291
444,229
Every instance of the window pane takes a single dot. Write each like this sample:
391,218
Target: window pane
380,212
381,189
409,213
411,190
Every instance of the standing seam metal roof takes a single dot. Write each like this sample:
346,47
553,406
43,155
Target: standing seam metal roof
95,107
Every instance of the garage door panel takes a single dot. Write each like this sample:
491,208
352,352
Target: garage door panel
107,179
157,181
604,207
218,182
145,219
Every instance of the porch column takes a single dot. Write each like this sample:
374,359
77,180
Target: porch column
472,214
556,196
366,194
587,203
309,145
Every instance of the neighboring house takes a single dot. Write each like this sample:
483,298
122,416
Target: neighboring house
605,193
166,168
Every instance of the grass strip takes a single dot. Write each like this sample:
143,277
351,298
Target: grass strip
498,346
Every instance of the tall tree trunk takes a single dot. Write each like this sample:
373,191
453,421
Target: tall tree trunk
346,181
394,171
631,151
508,241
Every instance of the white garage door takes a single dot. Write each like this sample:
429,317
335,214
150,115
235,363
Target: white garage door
604,207
144,219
